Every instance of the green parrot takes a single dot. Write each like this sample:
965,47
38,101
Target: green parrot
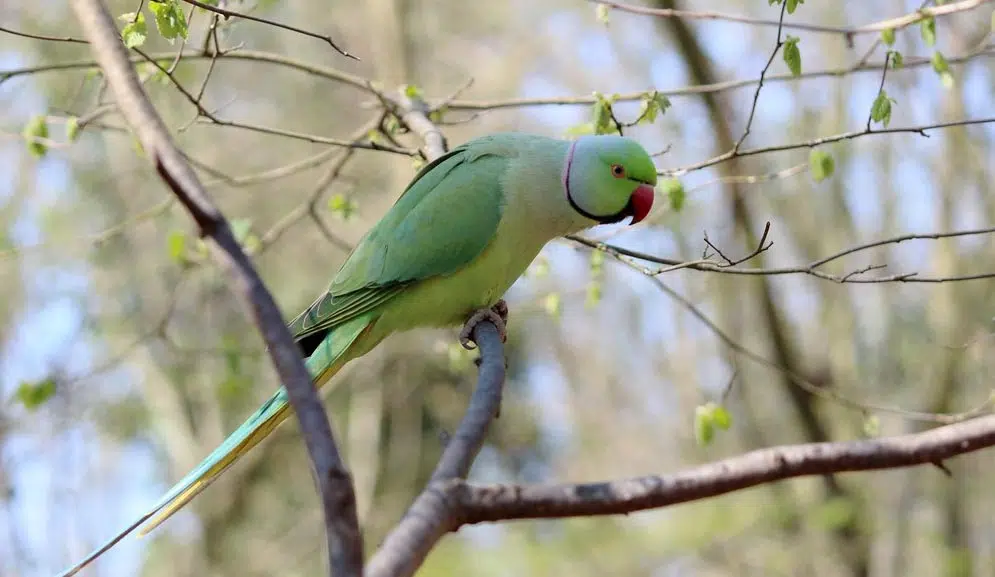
465,228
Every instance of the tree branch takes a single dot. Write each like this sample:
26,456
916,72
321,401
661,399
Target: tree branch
233,14
691,90
467,503
414,115
406,546
427,520
447,505
333,479
812,269
848,32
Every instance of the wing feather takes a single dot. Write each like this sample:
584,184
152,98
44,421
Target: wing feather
443,220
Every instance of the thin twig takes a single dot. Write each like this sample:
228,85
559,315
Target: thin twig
796,379
846,31
888,56
714,88
812,268
368,145
308,207
233,14
812,143
760,83
42,36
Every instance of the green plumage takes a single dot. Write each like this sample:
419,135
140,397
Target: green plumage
459,235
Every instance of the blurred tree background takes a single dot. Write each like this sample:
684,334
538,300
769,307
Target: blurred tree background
124,358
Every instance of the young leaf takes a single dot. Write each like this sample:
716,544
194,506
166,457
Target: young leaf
241,229
176,246
601,12
939,63
134,32
391,124
34,395
437,115
72,128
888,36
793,5
821,164
792,55
597,262
593,294
169,19
928,30
721,417
601,115
651,105
412,91
704,425
552,304
35,131
942,68
342,206
881,109
895,59
673,188
872,426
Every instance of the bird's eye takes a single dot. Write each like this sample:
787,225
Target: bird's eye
618,171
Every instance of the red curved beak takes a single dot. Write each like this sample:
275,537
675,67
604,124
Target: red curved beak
642,202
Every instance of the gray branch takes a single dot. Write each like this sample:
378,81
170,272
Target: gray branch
448,505
333,479
477,503
426,521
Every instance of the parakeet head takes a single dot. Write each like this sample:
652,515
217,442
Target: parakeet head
608,177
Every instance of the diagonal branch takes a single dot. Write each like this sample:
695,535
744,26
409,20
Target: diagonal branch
333,479
448,505
468,503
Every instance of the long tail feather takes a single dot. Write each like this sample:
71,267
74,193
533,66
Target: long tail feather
256,428
323,363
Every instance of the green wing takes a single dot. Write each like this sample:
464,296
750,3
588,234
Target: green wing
442,221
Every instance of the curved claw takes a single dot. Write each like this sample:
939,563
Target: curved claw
497,314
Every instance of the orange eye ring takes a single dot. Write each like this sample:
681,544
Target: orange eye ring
618,171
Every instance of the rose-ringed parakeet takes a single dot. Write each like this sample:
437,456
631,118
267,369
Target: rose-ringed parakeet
461,233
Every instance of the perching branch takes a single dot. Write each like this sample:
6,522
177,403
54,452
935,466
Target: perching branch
333,479
406,546
425,522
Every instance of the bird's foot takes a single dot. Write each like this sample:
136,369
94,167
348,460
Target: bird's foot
497,314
